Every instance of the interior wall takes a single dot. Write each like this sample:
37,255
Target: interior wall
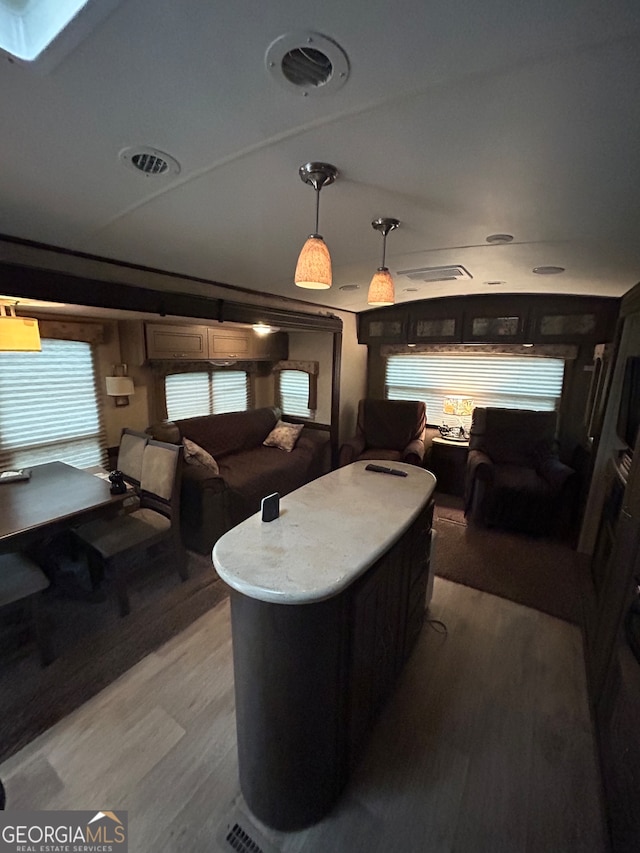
115,418
316,346
353,376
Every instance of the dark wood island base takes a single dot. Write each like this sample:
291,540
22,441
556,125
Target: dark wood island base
311,678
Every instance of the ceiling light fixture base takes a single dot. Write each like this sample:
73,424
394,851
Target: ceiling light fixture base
318,175
385,225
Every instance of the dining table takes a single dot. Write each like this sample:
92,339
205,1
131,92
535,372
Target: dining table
52,498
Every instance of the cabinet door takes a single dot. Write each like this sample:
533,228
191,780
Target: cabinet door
165,341
230,343
487,327
384,326
378,619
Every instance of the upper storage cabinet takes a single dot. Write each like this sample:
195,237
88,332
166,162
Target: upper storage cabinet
592,319
170,342
246,344
487,326
229,343
166,341
383,326
435,324
493,319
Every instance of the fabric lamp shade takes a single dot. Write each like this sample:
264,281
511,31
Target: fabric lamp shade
119,386
460,406
381,289
313,269
18,334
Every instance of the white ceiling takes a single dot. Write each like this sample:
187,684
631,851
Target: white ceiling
461,119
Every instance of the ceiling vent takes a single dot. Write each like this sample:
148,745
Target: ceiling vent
307,63
151,162
454,272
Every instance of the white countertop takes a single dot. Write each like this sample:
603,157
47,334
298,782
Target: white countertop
329,532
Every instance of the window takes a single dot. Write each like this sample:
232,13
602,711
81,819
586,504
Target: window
206,392
294,393
49,407
511,382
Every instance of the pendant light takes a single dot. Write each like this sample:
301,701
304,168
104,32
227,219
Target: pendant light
381,289
18,334
313,269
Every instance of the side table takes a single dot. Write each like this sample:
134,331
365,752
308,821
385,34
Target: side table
449,464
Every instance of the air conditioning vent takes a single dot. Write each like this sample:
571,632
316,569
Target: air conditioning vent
149,161
454,272
307,63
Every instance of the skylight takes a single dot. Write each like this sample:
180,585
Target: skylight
27,27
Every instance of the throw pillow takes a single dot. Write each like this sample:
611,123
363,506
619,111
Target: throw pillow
283,436
196,455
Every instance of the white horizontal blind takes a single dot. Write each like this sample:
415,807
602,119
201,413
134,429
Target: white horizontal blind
206,393
230,391
49,407
504,381
294,393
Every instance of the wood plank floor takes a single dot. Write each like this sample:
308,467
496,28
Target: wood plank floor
486,745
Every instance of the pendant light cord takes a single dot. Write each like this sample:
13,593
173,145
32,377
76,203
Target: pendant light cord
317,209
384,250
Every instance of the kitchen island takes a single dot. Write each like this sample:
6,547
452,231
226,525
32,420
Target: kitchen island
327,602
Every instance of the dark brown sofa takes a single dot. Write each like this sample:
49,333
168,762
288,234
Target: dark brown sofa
515,479
248,471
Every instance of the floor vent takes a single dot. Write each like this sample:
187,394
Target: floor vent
239,840
453,272
240,835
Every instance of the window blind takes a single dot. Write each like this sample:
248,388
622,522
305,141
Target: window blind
504,381
294,393
206,393
49,407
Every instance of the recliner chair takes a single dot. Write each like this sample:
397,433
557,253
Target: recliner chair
514,478
387,429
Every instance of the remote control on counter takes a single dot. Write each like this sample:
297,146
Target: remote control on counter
382,470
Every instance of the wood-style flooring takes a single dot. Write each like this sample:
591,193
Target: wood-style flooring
486,745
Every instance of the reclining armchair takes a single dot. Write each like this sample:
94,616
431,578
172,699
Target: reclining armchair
514,479
387,429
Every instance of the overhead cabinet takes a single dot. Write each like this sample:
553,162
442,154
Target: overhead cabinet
165,341
492,319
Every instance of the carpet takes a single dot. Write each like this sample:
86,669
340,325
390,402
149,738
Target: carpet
94,645
540,573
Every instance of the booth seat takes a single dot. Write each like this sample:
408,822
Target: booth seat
222,490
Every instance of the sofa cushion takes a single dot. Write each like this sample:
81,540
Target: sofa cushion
283,436
196,455
258,472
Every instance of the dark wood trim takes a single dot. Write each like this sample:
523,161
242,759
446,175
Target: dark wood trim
43,284
19,241
335,397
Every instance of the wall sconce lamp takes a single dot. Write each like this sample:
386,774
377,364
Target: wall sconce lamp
381,289
18,334
313,269
120,386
